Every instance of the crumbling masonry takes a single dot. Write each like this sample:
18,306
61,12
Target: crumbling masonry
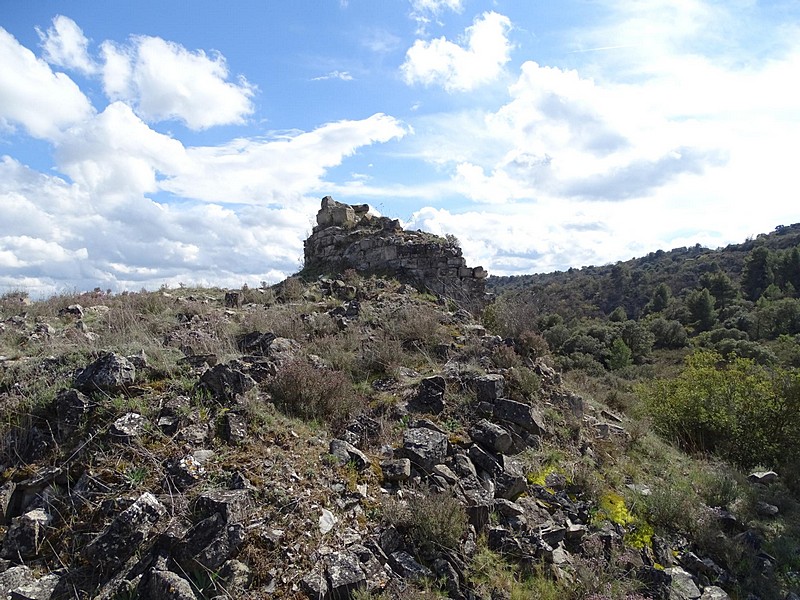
349,236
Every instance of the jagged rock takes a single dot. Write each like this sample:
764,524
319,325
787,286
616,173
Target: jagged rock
6,494
109,373
347,453
73,310
484,461
508,508
25,535
183,472
233,300
712,592
166,585
234,577
489,388
444,472
209,543
682,586
129,425
40,589
404,565
430,395
424,447
765,509
763,477
14,577
234,428
491,436
345,575
315,585
519,413
226,383
463,465
503,541
447,574
233,505
255,343
71,408
396,470
126,532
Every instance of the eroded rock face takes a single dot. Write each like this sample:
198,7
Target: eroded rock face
424,447
350,237
126,532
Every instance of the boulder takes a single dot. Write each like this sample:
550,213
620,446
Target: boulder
519,413
226,383
404,565
71,408
396,470
712,592
682,586
129,425
166,585
347,453
40,589
489,388
430,395
763,477
424,447
491,436
129,529
209,543
345,575
233,505
25,535
110,373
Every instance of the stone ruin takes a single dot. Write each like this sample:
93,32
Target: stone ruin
350,237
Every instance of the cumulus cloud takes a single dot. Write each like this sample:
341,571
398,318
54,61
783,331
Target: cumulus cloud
33,96
64,45
163,80
458,68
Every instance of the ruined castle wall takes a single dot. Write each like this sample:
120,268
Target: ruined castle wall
368,244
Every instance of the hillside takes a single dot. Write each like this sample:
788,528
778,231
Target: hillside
348,435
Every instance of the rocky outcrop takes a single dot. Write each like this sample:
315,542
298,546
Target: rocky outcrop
349,237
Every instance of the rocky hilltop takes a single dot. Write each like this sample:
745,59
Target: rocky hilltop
349,236
341,437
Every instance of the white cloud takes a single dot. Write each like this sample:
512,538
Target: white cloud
343,75
479,60
252,171
163,80
117,154
65,46
33,96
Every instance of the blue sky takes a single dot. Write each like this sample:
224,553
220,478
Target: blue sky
148,143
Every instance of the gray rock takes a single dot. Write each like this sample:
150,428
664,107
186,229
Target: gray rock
491,436
129,529
209,543
424,447
489,388
712,592
255,343
346,453
345,575
445,473
25,535
463,465
166,585
327,521
430,395
73,310
682,586
13,578
315,585
234,428
396,470
233,505
6,494
129,425
226,383
183,472
109,373
484,461
404,565
765,509
763,477
519,413
40,589
235,577
71,408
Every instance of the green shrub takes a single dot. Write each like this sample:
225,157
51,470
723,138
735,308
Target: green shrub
432,521
738,410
